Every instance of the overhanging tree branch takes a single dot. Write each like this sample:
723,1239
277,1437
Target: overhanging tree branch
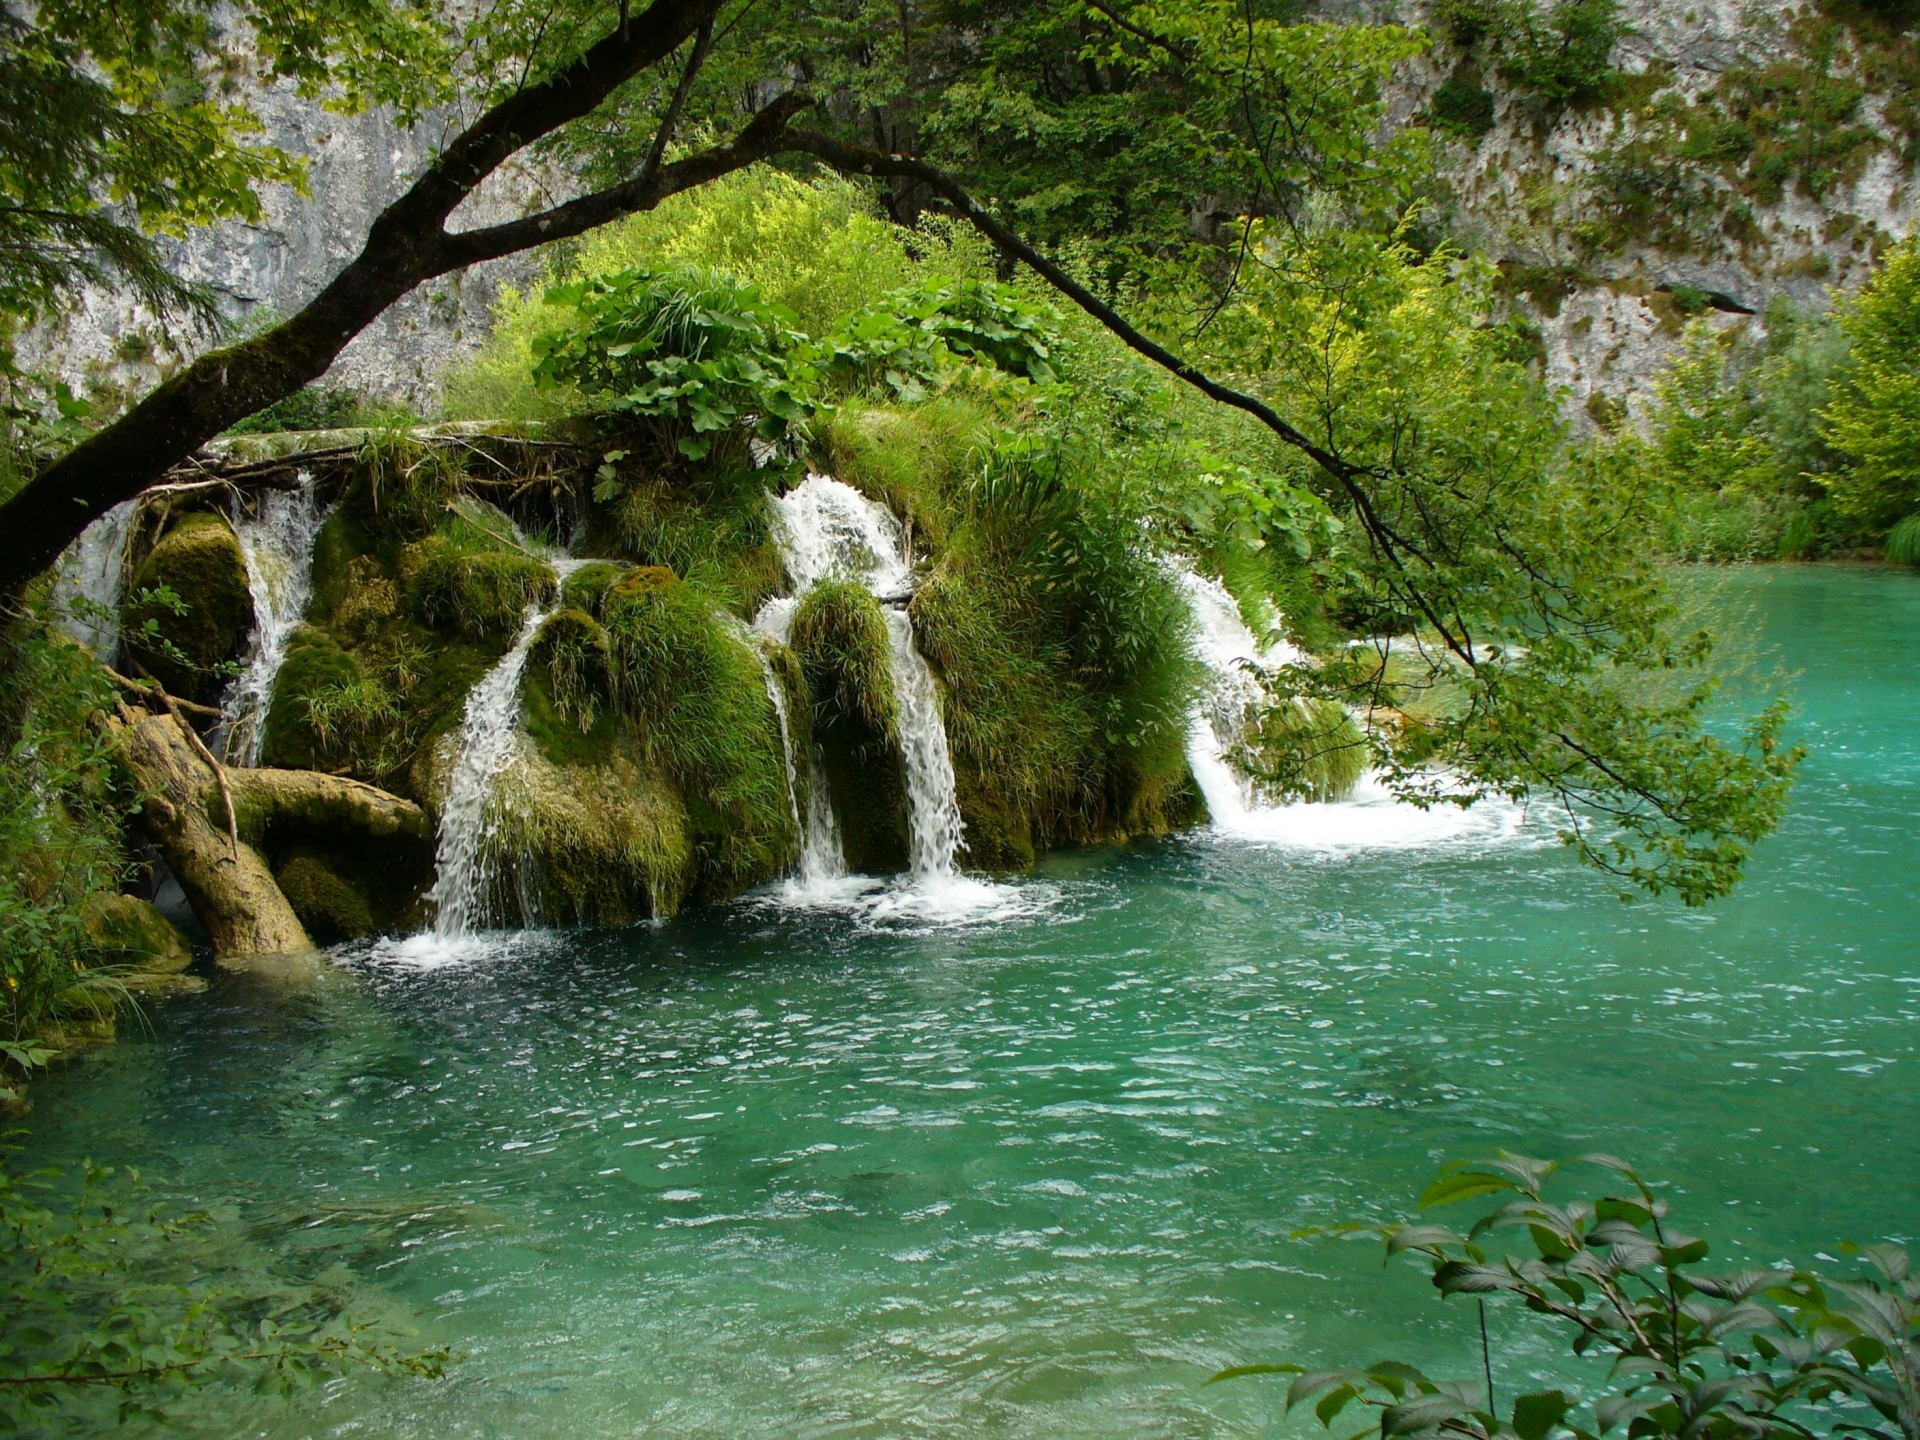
859,160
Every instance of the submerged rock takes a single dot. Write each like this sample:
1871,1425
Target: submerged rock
126,930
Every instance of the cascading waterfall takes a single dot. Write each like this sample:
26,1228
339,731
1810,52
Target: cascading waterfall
1233,657
87,587
277,543
827,528
465,859
822,858
1372,817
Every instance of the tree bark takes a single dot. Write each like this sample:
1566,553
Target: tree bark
229,884
407,245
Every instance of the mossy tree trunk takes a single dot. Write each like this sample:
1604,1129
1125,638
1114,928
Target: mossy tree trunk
225,878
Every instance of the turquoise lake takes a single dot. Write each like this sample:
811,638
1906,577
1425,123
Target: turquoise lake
775,1171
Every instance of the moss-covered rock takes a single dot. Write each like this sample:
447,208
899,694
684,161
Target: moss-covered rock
688,681
840,640
126,930
477,591
328,905
600,844
199,560
586,587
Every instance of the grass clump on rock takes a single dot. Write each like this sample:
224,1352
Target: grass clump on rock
840,639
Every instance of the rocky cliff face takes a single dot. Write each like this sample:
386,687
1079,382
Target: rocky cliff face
1728,154
1743,153
110,346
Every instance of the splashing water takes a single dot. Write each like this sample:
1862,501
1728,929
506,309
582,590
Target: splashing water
1372,817
465,859
87,588
277,543
828,528
823,862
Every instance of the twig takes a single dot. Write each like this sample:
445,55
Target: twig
141,687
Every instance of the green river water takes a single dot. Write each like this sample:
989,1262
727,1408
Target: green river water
768,1171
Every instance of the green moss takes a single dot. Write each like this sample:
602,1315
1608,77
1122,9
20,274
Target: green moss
199,560
586,587
604,844
710,528
328,906
840,641
469,587
571,652
126,930
690,684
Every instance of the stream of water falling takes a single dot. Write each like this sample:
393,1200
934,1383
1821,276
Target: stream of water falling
827,528
465,860
276,541
89,582
1371,817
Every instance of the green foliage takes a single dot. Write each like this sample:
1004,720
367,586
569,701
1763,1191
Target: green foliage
1463,106
573,648
114,1311
1874,415
1304,749
709,527
1694,1353
319,407
700,355
908,338
401,487
1903,542
1561,54
1483,526
61,809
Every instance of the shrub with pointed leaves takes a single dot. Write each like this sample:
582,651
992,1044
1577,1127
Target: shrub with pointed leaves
1741,1355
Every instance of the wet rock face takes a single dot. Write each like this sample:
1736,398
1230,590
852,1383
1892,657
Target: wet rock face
198,559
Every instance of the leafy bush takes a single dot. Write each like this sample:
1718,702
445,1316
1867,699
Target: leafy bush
698,353
60,816
909,337
1463,106
1874,415
1562,54
1709,1356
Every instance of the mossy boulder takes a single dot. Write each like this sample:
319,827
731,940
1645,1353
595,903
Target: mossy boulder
199,560
328,905
586,587
477,591
689,683
840,639
126,930
598,844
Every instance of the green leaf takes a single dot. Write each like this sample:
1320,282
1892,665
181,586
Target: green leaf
1451,1189
1535,1415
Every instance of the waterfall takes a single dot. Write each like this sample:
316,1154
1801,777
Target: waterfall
277,543
1371,818
465,860
1233,657
935,825
89,582
827,528
821,857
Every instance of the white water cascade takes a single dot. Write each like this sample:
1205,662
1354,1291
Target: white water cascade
822,858
465,858
1233,657
826,528
1372,817
88,584
277,543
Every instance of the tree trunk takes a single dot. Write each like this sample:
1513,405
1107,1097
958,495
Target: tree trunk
227,883
225,878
